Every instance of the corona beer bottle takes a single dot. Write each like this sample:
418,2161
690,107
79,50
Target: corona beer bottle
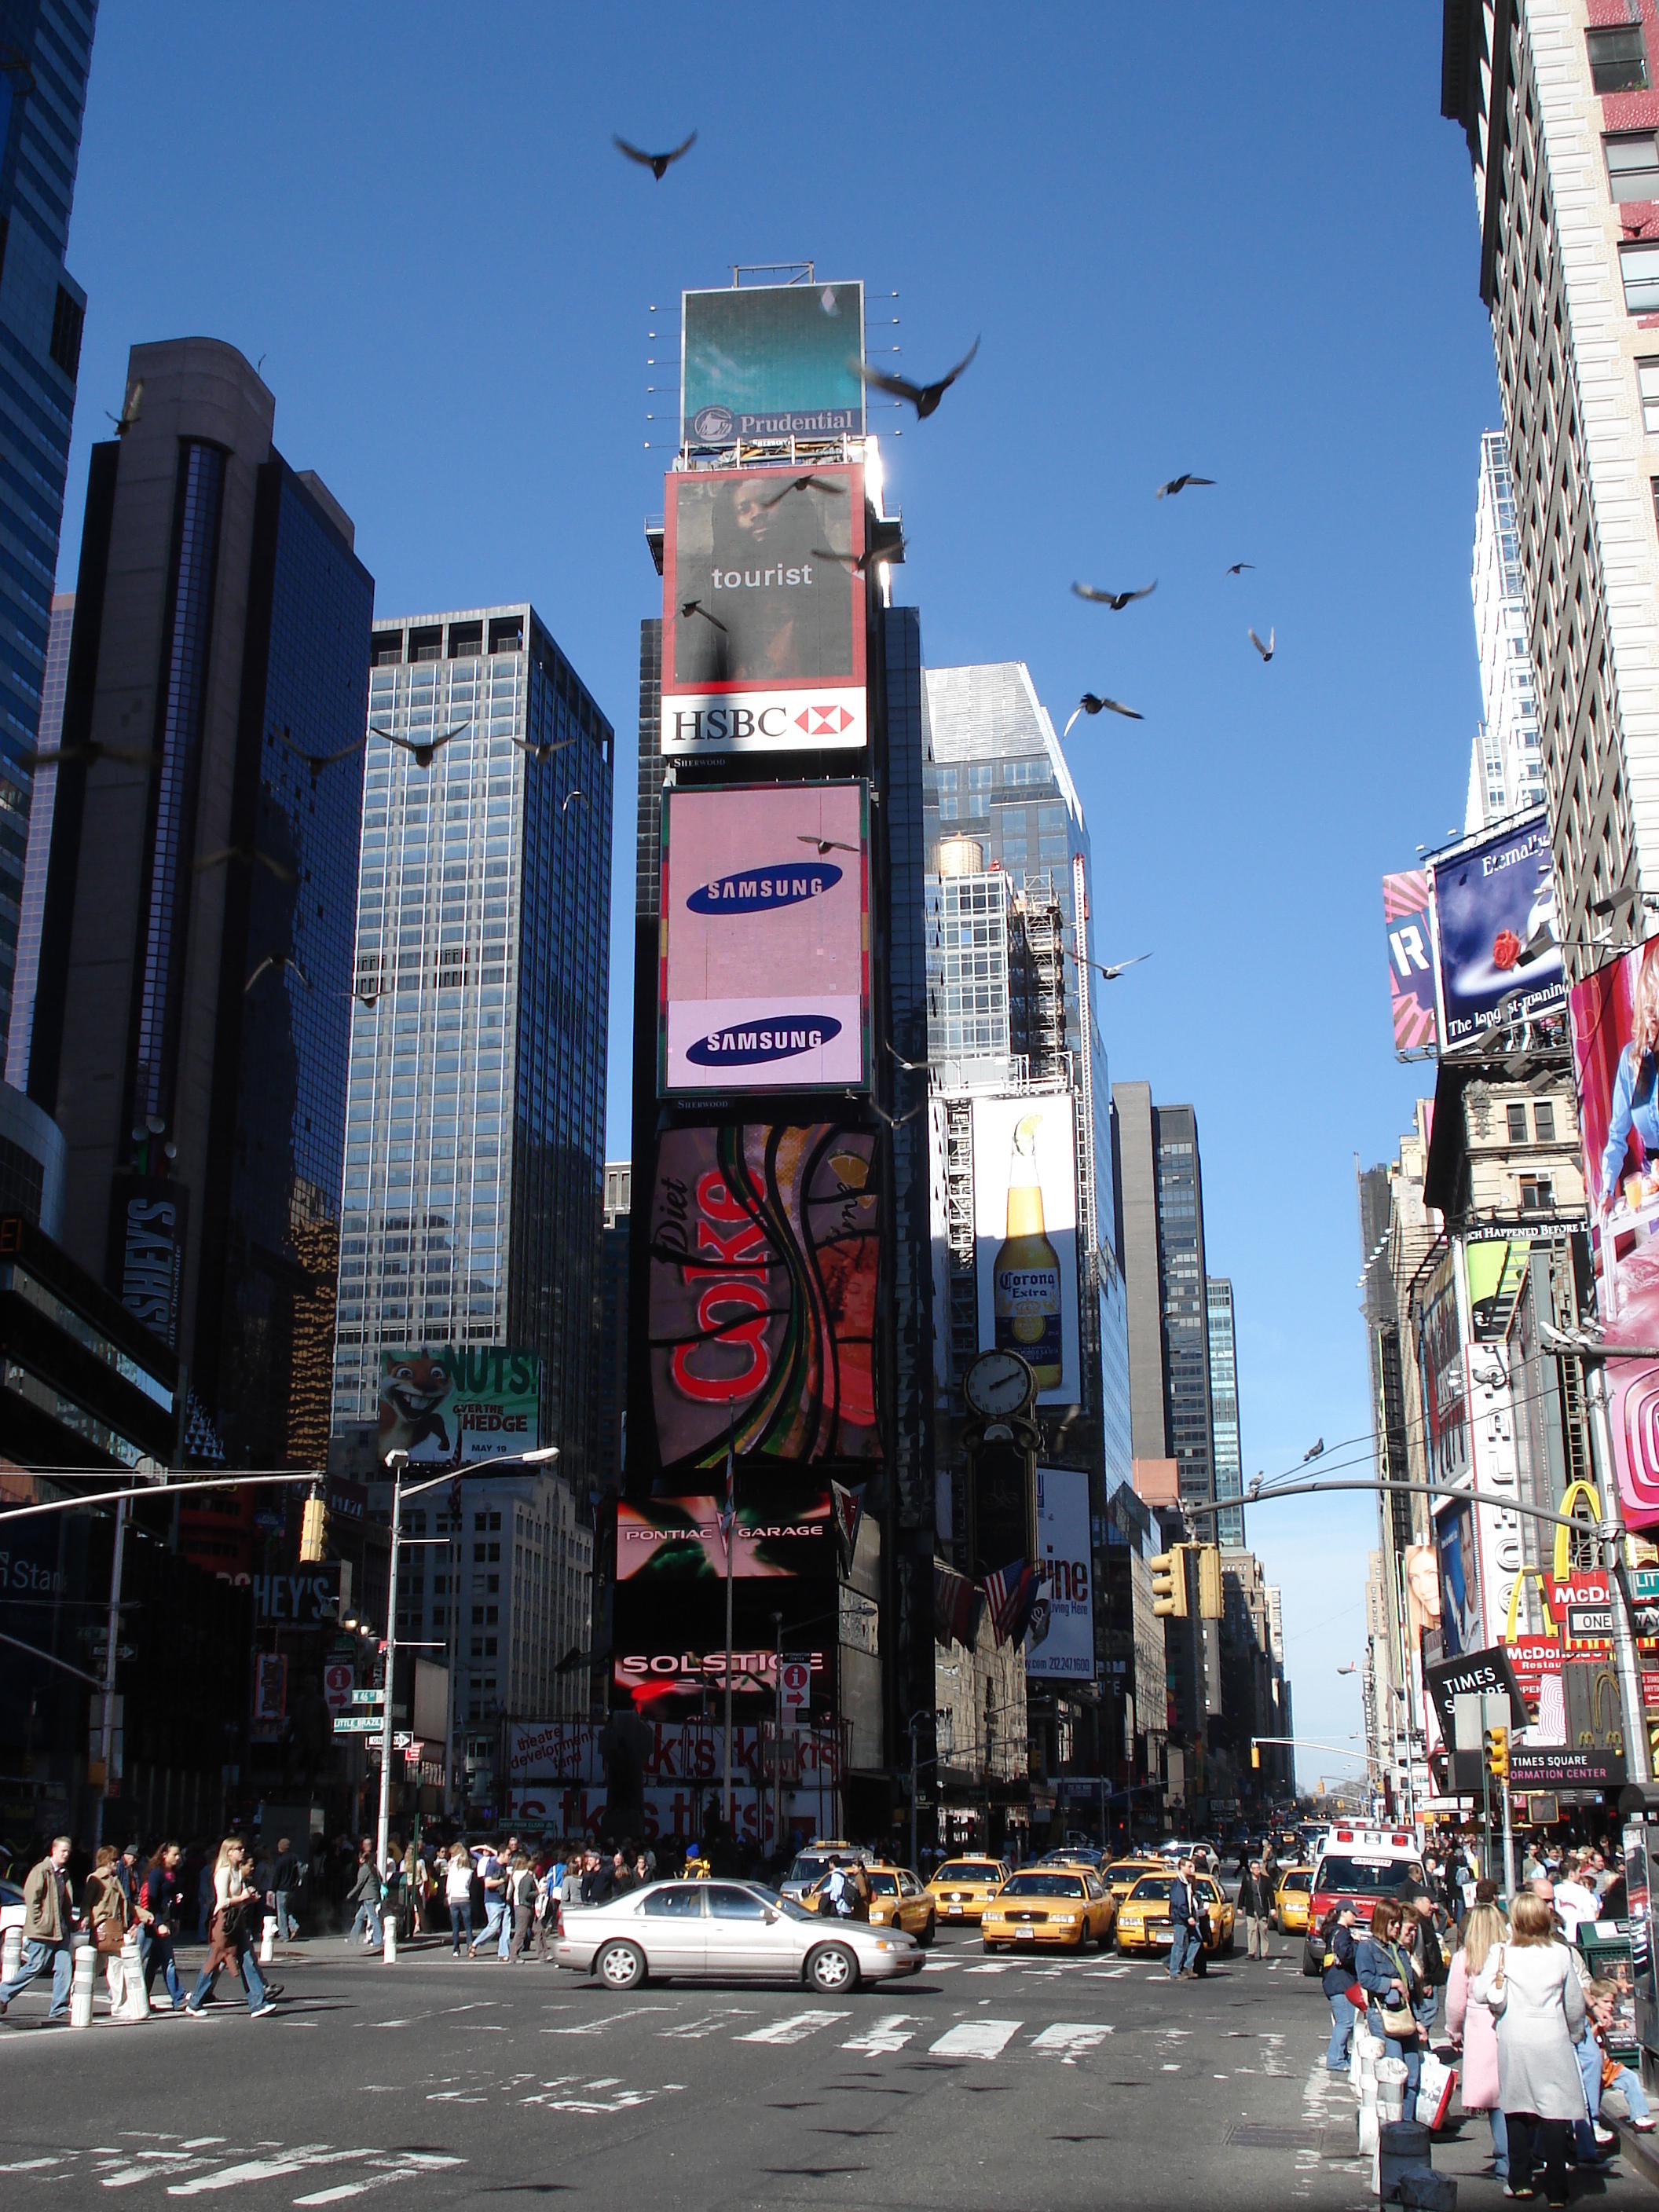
1026,1279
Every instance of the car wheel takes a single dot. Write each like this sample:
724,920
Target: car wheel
928,1933
832,1970
621,1966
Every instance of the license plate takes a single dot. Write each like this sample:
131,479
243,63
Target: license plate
1025,1934
953,1912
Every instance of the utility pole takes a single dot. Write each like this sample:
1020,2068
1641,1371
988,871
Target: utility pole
729,1807
397,1461
777,1730
106,1732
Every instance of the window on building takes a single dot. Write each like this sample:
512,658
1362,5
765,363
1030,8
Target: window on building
1517,1121
1638,266
1633,165
1543,1115
1537,1194
1647,386
67,320
1617,58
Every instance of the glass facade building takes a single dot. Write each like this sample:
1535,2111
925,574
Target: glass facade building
1223,1411
474,1157
45,53
1185,1316
34,872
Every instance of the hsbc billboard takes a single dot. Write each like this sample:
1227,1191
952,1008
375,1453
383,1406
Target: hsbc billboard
763,612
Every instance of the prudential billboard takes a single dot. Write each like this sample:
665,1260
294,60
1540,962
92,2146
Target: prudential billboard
764,962
771,361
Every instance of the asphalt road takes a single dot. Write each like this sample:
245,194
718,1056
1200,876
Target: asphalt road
982,2083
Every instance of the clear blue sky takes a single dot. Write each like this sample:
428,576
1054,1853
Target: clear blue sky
1238,241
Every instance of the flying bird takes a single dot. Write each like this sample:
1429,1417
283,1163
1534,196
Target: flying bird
131,756
805,484
1180,484
251,856
1266,651
129,414
1116,600
824,844
1239,566
924,397
1117,967
690,607
1090,704
657,163
370,999
318,762
423,749
1313,1451
568,796
910,1066
896,1121
278,961
541,754
861,562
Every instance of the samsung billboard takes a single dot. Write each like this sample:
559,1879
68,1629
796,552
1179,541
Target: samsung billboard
763,362
763,612
764,962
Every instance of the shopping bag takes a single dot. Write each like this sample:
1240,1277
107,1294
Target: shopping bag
1435,2085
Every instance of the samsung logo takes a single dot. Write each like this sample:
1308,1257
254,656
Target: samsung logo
782,1038
756,893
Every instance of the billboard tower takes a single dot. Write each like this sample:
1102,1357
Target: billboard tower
778,1320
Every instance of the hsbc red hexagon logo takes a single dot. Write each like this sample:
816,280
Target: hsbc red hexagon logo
823,721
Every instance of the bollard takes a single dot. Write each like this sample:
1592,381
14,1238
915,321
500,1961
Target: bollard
268,1939
389,1943
137,2002
86,1964
11,1955
1391,2089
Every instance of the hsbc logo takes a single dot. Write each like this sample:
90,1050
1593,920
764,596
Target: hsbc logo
823,721
832,718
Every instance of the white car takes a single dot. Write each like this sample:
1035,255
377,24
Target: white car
727,1932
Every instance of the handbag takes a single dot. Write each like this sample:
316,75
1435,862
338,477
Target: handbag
1399,2021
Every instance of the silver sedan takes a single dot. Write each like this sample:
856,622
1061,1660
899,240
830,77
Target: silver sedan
726,1931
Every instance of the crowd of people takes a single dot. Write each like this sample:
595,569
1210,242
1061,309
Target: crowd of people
1527,2024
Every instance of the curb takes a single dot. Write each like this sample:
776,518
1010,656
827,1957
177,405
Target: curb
1641,2151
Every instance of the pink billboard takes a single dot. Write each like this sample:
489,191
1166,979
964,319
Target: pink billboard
764,960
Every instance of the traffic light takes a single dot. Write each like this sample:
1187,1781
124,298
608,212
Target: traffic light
1209,1581
313,1524
1494,1748
1255,1755
1169,1582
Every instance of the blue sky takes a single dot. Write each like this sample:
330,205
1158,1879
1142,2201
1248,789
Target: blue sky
1241,242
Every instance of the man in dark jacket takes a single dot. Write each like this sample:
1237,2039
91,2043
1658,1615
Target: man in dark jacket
1337,1979
286,1875
160,1919
598,1883
1185,1939
48,1920
1255,1902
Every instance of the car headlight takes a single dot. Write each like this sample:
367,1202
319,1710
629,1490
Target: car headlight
1063,1920
883,1945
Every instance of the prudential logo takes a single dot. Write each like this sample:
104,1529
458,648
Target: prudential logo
713,426
784,1036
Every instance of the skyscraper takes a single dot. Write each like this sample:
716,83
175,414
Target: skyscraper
1224,1410
40,856
474,1152
190,1012
45,53
1506,772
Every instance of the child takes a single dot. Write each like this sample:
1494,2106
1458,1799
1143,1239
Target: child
1603,1997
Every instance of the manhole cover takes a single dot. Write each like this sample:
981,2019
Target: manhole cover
1241,2135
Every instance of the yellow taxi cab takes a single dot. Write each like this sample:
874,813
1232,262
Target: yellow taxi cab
962,1888
1122,1875
1143,1917
1049,1904
897,1899
1293,1903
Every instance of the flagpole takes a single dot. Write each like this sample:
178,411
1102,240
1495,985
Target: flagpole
731,1544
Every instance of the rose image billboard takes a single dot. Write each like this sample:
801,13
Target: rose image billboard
1496,954
455,1405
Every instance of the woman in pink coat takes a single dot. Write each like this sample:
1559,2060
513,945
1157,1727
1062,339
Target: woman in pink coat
1473,2030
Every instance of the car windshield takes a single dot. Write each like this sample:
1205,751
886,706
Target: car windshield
1299,1878
1349,1877
807,1869
1152,1889
1043,1885
967,1870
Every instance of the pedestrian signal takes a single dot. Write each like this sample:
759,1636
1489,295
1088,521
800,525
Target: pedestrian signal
1169,1582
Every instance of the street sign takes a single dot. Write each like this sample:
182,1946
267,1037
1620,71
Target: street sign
368,1697
358,1724
795,1680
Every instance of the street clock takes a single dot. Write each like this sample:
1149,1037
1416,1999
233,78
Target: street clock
997,1385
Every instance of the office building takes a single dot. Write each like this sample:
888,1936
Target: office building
1559,119
45,53
474,1156
613,1353
1223,1411
1161,1179
195,967
1506,770
39,854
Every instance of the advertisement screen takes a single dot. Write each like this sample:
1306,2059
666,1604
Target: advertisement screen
673,1545
1060,1644
1496,1268
1025,1235
1460,1580
763,611
1494,918
765,962
460,1403
765,1262
771,361
1615,1045
1440,1363
1411,959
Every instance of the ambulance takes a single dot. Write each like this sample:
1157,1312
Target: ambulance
1358,1867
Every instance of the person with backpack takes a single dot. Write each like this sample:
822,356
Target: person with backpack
1338,1980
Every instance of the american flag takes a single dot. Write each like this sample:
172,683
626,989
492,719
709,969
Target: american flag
958,1605
1010,1593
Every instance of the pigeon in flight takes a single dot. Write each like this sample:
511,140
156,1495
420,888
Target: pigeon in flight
129,755
424,748
251,856
129,414
278,961
369,999
896,1121
1117,967
824,844
568,796
860,562
910,1066
805,484
690,607
1090,704
657,163
541,754
924,397
1239,566
1266,651
1180,484
318,762
1116,600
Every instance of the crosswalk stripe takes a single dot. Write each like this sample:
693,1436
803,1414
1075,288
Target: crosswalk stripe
1069,2036
889,2033
975,2038
795,2029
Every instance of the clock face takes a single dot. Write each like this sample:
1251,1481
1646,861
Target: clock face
997,1384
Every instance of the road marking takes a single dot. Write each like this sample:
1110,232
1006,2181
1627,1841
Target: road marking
975,2038
607,2020
997,1966
707,2023
889,2033
1108,1974
263,2169
795,2029
1069,2036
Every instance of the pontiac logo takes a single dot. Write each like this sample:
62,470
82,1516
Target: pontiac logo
783,1037
758,890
